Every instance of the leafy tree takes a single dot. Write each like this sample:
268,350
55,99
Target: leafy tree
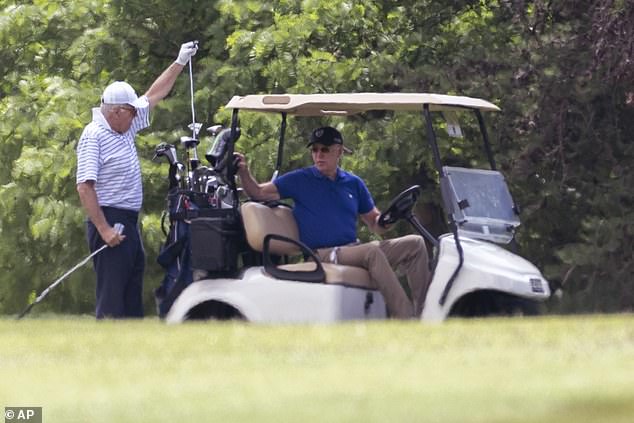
43,111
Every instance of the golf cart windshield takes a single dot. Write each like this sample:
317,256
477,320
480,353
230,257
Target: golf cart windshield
481,204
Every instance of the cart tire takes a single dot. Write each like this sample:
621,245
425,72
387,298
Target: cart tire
214,310
494,303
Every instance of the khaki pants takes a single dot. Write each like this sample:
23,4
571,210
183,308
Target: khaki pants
407,255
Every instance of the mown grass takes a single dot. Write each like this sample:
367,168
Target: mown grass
500,370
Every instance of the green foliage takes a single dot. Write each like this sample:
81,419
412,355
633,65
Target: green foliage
559,71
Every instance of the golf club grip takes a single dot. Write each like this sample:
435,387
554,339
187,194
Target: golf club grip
119,228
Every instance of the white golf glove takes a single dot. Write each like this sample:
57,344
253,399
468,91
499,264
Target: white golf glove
187,51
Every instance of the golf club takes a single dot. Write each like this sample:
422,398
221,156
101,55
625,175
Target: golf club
194,127
217,154
214,130
166,150
177,170
117,226
192,160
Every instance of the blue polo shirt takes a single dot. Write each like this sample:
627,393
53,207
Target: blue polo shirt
325,210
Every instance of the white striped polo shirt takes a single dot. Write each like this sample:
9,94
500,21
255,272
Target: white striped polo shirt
110,159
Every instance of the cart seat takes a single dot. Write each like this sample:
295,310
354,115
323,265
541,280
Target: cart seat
261,220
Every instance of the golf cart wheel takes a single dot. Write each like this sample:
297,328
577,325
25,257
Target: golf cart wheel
214,310
494,303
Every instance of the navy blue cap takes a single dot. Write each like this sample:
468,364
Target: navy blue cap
327,135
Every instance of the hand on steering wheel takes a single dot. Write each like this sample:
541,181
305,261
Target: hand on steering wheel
400,207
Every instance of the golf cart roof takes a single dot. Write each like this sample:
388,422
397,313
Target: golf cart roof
342,104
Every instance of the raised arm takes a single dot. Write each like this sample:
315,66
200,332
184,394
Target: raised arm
161,87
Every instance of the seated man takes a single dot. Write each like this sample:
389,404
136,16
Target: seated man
327,202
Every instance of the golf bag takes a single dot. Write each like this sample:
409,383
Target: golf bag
206,236
203,239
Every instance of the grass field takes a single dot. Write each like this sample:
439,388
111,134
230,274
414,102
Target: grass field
550,369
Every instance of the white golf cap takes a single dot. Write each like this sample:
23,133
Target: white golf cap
120,92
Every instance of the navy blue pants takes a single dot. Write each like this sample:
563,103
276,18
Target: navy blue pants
119,269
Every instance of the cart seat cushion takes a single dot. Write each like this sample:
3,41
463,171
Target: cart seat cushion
337,273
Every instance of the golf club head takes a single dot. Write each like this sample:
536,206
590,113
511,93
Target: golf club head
218,151
214,130
189,142
166,150
160,149
204,179
195,128
180,175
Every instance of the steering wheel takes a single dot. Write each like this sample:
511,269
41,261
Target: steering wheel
400,207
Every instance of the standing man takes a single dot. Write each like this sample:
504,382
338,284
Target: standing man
328,201
110,190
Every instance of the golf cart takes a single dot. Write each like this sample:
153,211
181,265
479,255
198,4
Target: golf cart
227,259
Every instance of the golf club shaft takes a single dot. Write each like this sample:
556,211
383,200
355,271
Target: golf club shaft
191,89
117,226
61,278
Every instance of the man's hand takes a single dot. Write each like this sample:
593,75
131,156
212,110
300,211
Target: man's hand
261,192
240,162
111,236
188,50
382,225
161,87
371,219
